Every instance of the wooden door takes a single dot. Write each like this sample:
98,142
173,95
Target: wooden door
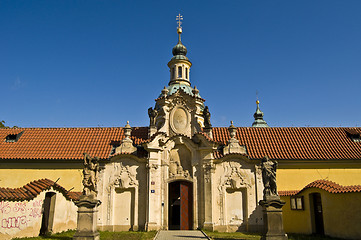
186,208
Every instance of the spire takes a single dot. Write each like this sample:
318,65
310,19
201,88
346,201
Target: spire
179,64
258,118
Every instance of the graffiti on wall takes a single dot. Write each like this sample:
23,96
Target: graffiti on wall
18,215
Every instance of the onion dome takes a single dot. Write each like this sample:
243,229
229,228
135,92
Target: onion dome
179,51
258,118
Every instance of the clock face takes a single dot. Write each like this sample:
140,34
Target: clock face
179,120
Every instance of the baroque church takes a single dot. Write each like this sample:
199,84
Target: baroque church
180,172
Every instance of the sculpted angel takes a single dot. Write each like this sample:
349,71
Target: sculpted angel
90,172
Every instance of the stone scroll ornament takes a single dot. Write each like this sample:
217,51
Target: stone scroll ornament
269,177
207,118
90,172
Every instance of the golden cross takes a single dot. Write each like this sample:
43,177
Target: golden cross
179,20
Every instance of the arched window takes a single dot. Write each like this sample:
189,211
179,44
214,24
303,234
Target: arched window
186,73
173,72
179,72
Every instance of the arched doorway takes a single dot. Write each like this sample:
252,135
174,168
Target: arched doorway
180,205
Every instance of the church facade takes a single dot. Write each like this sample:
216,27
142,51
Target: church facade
180,172
180,185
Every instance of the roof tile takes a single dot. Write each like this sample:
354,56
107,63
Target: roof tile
33,189
326,185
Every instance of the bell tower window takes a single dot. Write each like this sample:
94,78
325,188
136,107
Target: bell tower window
179,72
173,72
186,72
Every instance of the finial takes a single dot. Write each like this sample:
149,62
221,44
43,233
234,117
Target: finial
195,91
127,130
179,21
257,102
232,130
179,28
165,92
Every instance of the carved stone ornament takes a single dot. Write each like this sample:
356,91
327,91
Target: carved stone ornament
125,179
208,169
179,120
153,167
176,170
234,177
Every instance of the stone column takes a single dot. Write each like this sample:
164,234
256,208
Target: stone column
272,219
87,219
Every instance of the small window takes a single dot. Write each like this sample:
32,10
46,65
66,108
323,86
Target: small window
179,72
186,73
297,203
173,72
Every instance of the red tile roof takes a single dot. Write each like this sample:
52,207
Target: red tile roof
299,143
326,185
288,143
33,189
64,143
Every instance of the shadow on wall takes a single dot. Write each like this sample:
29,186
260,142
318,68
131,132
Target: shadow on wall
255,221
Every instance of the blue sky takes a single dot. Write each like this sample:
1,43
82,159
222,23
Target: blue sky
101,63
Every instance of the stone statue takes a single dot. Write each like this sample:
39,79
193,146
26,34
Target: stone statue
269,177
90,171
152,113
207,118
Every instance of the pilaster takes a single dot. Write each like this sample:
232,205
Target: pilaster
154,192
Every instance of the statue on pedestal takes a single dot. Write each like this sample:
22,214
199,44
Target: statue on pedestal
88,203
271,203
269,177
90,172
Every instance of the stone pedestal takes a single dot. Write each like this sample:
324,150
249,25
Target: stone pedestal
87,219
272,219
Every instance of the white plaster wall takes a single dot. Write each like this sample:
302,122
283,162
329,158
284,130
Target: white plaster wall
235,208
122,205
23,219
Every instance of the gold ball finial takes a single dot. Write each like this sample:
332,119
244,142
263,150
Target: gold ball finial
257,102
179,30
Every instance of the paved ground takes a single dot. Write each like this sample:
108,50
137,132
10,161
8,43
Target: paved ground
180,235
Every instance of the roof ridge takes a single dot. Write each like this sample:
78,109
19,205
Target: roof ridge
327,185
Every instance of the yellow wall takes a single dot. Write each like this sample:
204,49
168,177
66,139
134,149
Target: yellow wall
296,221
69,178
341,214
296,179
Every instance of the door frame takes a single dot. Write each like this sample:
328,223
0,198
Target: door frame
165,203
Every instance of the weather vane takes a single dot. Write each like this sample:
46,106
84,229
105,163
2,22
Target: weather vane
179,20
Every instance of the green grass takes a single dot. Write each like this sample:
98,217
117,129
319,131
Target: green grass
68,235
233,235
255,236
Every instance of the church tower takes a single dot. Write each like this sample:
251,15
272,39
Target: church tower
179,108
